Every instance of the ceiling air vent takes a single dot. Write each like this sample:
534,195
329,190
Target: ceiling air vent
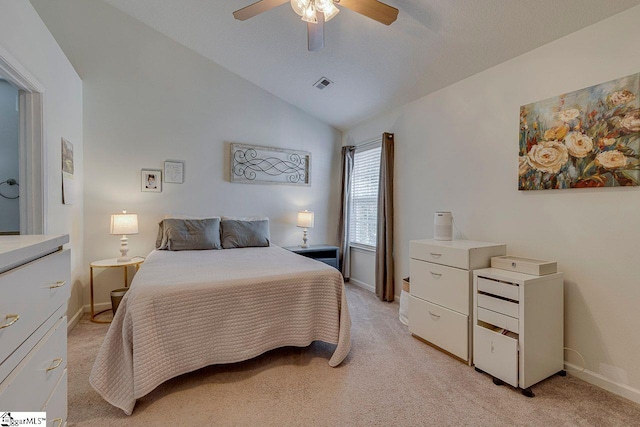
322,83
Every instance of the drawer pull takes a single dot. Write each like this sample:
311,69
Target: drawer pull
14,318
437,316
58,284
435,255
56,363
59,421
436,275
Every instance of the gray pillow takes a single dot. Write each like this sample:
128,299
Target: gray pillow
189,234
245,234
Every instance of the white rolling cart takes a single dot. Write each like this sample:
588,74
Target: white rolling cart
518,326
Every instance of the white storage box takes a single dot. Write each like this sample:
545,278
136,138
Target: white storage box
532,266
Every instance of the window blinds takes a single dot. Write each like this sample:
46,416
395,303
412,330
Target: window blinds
364,197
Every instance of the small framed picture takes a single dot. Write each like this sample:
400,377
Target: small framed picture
151,180
174,171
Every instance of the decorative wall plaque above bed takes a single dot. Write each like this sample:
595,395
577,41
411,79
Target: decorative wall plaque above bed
586,138
254,164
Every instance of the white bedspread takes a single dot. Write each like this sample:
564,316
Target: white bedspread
190,309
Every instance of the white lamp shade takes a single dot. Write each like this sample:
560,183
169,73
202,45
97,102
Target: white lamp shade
321,5
330,11
309,14
124,223
299,6
305,219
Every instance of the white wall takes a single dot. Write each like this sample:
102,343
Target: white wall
457,150
9,124
148,99
363,268
26,38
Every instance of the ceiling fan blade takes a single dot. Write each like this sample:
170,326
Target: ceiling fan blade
257,8
372,9
315,33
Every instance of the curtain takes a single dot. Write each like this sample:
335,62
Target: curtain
384,235
345,209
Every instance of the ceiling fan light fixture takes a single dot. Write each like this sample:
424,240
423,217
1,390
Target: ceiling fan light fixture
299,6
309,14
308,9
330,11
321,5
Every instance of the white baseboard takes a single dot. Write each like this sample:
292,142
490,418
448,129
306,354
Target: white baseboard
362,285
370,288
71,323
75,319
598,380
99,306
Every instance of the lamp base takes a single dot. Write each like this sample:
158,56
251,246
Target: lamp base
124,249
304,239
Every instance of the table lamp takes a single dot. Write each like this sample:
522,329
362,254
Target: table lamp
305,220
123,224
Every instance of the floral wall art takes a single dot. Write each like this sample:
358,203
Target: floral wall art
586,138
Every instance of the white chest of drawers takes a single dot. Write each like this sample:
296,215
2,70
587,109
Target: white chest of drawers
440,304
34,291
518,326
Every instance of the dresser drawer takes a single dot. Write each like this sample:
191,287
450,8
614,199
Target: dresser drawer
56,406
35,377
506,290
499,305
446,286
500,320
444,255
496,354
440,326
30,294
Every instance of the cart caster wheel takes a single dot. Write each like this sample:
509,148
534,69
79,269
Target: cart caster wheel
479,370
497,381
562,373
527,392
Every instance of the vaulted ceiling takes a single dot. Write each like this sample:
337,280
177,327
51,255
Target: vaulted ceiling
433,44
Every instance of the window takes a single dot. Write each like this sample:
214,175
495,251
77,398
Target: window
364,197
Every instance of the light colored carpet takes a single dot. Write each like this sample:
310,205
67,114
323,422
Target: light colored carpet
390,378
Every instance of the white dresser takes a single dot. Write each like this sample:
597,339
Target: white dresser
440,304
518,330
34,292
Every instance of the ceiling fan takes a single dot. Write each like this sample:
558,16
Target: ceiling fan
316,12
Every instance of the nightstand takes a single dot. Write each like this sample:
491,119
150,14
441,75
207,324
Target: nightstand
111,263
323,253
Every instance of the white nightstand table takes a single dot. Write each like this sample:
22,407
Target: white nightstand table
112,263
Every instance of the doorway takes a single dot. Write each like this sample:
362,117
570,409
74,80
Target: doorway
31,180
9,159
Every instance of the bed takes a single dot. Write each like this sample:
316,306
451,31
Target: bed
190,309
